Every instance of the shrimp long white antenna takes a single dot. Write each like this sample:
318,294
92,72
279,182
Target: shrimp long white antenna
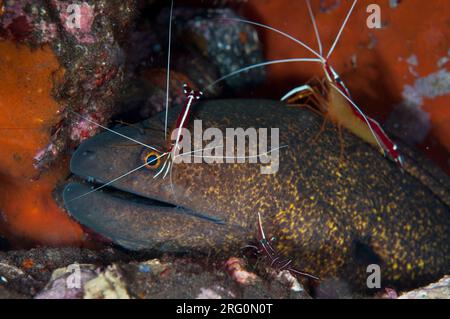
279,32
169,169
168,68
162,168
316,29
196,151
243,157
114,132
258,65
341,29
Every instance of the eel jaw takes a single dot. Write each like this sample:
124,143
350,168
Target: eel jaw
135,222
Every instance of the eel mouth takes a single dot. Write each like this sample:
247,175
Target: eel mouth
77,195
133,221
85,190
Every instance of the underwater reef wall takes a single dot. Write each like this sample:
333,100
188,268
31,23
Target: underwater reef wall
28,114
56,57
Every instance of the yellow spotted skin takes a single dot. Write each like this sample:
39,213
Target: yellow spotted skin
334,215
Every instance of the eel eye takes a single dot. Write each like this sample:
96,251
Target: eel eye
152,160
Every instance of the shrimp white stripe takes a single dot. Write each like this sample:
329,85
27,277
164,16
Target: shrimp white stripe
177,141
295,91
261,229
243,157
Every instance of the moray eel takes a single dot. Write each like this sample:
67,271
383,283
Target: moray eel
333,213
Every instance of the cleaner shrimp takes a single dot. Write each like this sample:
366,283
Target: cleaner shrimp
341,108
277,261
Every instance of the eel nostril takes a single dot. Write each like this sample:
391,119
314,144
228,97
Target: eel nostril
87,152
89,155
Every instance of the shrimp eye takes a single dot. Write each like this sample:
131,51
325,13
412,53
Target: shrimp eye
152,160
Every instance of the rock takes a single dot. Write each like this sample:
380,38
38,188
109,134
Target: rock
211,293
438,290
176,278
68,282
199,278
153,266
10,272
10,294
63,273
108,285
226,44
236,269
296,288
29,272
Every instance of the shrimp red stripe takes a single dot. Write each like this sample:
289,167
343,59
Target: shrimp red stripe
183,117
